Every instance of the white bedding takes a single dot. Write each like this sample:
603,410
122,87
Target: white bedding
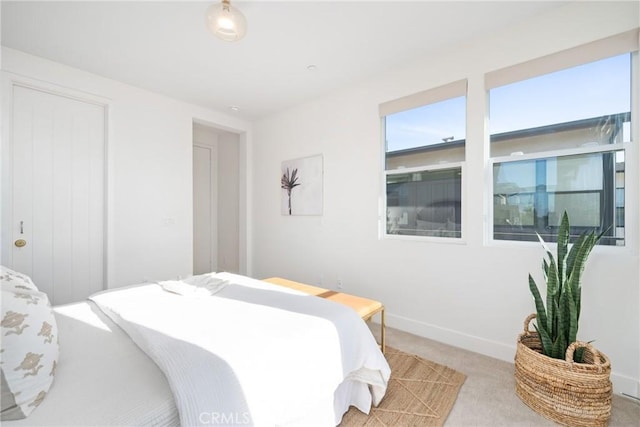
102,377
253,353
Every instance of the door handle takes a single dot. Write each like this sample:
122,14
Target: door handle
20,243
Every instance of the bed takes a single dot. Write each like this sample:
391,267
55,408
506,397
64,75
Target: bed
228,350
102,377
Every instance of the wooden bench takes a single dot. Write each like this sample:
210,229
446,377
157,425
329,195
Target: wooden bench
366,308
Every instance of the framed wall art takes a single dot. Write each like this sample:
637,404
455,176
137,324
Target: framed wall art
301,186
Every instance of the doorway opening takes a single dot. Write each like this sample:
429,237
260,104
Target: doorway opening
216,200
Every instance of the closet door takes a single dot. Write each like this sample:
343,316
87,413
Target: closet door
205,230
57,193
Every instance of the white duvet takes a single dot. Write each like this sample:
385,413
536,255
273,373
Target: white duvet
246,352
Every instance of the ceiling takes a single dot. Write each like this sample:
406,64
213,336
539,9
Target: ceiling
165,47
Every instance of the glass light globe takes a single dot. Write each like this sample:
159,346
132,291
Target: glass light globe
226,22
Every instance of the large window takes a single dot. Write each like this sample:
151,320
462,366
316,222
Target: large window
424,150
558,144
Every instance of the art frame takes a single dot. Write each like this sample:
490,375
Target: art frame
301,184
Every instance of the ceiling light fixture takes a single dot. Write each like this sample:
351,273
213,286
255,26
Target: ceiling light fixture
226,22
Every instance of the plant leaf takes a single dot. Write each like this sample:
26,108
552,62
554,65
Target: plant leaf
553,296
545,340
542,242
545,268
563,242
574,250
575,275
571,330
541,315
559,346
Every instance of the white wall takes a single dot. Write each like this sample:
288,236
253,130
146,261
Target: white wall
149,167
473,295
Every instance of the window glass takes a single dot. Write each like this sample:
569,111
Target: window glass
430,134
427,125
583,108
578,107
530,196
425,203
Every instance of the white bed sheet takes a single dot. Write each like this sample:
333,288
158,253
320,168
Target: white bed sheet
272,355
102,378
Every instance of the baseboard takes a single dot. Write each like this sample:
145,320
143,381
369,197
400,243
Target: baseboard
625,385
483,346
495,349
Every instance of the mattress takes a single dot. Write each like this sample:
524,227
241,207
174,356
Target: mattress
102,377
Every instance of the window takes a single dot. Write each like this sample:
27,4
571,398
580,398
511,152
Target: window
558,143
424,150
425,203
531,195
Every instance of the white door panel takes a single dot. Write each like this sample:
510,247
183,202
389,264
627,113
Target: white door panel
205,246
58,193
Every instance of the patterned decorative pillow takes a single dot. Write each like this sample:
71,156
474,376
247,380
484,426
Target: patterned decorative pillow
29,347
12,280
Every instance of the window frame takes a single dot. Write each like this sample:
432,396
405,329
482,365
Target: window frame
483,82
434,95
630,148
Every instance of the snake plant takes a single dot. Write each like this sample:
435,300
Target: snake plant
557,324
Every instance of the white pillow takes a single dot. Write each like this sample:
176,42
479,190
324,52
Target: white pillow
203,285
29,348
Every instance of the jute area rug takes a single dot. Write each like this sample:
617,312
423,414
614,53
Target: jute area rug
420,393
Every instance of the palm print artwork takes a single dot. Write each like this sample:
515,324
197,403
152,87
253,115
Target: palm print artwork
301,186
289,182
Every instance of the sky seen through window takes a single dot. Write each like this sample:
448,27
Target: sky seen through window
587,91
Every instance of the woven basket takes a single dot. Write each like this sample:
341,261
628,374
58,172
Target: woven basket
569,393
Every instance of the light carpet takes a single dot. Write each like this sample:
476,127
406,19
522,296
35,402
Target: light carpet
420,393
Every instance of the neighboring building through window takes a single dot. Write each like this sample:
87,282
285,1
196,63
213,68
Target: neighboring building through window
560,127
558,144
424,150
